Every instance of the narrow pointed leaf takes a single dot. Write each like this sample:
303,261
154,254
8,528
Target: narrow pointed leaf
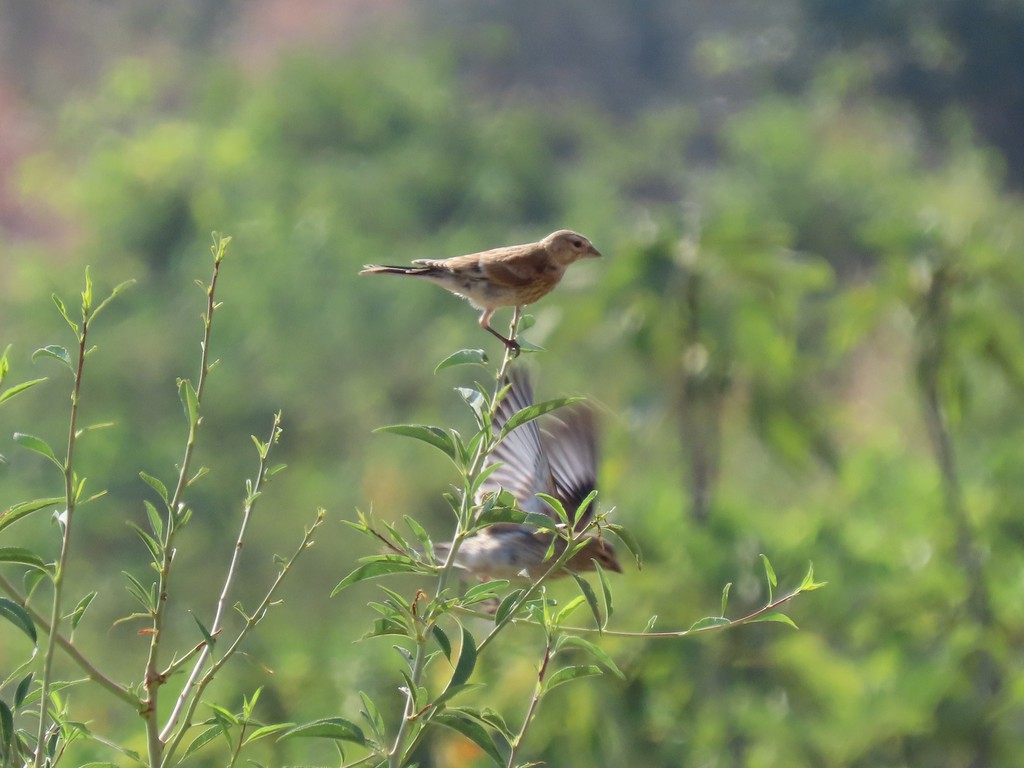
725,596
335,728
599,654
19,617
156,484
708,622
80,609
775,616
567,674
467,660
591,598
531,412
38,445
190,400
17,389
462,357
434,436
25,508
56,352
22,556
374,570
627,538
472,730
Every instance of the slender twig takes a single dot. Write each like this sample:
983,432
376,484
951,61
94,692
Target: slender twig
69,648
65,546
153,679
532,709
251,621
229,580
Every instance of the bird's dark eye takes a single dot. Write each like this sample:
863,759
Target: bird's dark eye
577,243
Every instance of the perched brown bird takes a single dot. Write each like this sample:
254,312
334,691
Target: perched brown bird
557,457
513,276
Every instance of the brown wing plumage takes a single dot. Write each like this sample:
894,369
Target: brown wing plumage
524,470
569,439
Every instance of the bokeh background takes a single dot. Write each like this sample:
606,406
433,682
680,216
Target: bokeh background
806,338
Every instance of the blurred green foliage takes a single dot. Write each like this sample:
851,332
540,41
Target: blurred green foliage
774,324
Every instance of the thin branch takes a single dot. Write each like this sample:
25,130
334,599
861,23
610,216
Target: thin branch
69,648
70,494
229,580
251,622
153,679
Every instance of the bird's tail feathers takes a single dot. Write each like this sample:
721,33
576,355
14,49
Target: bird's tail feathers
384,269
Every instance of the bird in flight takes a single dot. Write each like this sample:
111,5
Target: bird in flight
557,456
511,276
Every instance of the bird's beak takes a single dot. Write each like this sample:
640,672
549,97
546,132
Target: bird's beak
593,253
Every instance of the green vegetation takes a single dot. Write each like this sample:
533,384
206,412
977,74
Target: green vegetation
806,334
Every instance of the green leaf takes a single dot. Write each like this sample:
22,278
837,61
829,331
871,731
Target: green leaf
38,445
462,357
442,641
507,605
209,638
156,523
809,584
22,690
599,654
376,569
775,616
770,574
64,312
531,412
467,660
22,556
567,609
591,598
420,533
486,591
57,352
567,674
80,609
372,716
708,622
511,515
336,728
606,593
434,436
200,741
17,389
151,544
267,730
156,484
629,540
471,729
19,617
556,505
725,596
113,294
6,728
25,508
190,400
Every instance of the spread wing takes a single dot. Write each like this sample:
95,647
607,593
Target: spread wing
524,470
569,440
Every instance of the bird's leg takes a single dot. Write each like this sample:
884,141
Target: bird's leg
485,323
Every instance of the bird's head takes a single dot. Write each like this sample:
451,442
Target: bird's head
566,246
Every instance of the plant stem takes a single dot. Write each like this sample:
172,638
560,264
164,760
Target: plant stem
153,679
229,580
398,751
65,547
534,701
69,648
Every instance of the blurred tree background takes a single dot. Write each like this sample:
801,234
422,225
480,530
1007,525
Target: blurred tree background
806,333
